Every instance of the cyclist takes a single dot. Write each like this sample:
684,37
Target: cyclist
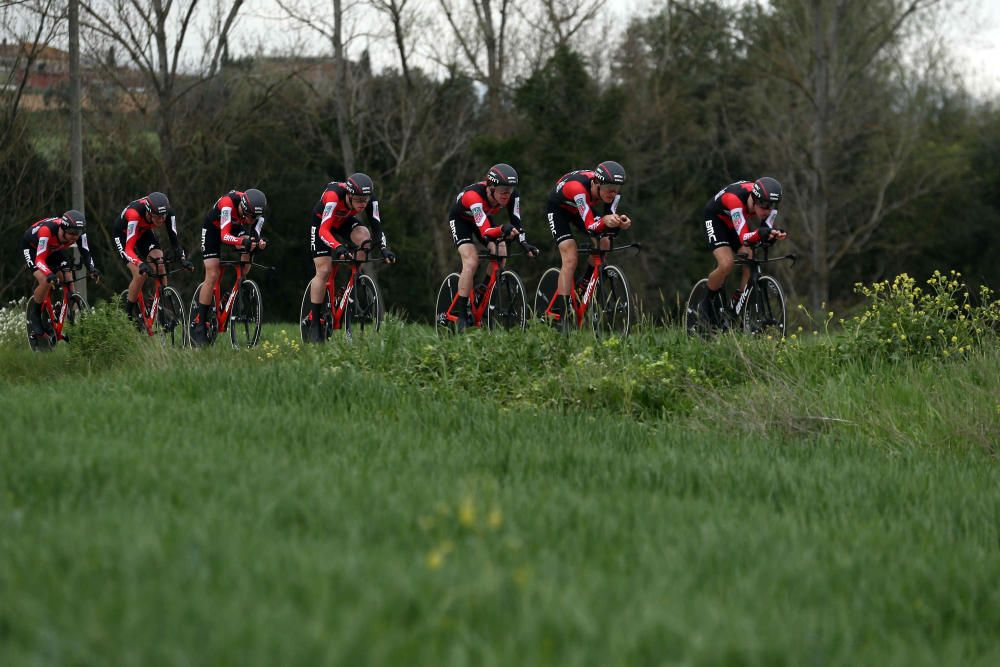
334,221
42,246
235,220
571,204
727,228
137,243
471,217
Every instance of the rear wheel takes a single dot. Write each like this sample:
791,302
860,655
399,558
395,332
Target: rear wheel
765,314
247,315
47,339
305,315
169,323
445,297
547,289
364,315
612,308
508,308
212,322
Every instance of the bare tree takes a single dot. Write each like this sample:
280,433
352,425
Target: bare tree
153,35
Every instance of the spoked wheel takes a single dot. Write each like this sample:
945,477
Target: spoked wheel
212,325
765,313
305,316
245,320
445,298
546,291
169,324
612,307
696,321
365,313
507,309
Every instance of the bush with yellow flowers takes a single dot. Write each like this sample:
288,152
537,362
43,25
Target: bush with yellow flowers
936,319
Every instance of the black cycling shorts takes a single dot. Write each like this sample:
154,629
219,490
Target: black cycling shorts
143,245
211,239
318,246
718,234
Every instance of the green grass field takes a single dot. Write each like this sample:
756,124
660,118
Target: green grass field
499,500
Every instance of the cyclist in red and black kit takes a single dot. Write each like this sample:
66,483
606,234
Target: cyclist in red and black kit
42,246
471,217
572,204
727,228
236,220
334,223
137,243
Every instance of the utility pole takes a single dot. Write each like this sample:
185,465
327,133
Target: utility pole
76,126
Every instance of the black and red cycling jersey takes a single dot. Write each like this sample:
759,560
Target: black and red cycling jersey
43,238
226,213
472,205
331,213
730,206
572,194
134,222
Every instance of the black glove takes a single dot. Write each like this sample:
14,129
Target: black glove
764,233
144,269
342,252
530,249
389,256
247,243
187,265
505,231
52,278
95,274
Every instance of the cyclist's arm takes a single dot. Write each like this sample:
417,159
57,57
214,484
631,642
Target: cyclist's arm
476,207
131,236
226,227
88,259
42,251
175,241
325,231
375,220
578,194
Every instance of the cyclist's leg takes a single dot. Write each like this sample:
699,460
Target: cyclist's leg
317,292
210,248
470,263
359,234
38,296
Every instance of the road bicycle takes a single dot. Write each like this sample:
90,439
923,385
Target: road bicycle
164,316
354,306
499,302
240,310
603,298
58,318
758,309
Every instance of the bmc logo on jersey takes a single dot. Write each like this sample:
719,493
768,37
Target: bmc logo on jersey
710,230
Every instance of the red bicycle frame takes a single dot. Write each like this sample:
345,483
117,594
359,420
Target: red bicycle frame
479,302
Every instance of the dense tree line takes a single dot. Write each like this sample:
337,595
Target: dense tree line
888,165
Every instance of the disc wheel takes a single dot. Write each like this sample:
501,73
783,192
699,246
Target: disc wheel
247,315
507,307
212,325
305,315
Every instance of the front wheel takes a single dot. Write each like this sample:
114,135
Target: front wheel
366,312
247,315
765,313
211,323
613,304
445,299
169,324
507,308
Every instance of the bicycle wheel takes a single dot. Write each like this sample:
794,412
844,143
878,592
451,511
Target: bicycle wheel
765,313
695,321
446,295
212,325
47,340
245,320
548,285
366,311
612,307
169,324
507,309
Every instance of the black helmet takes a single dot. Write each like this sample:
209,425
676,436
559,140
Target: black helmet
610,172
156,203
73,219
360,185
766,189
502,174
253,202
